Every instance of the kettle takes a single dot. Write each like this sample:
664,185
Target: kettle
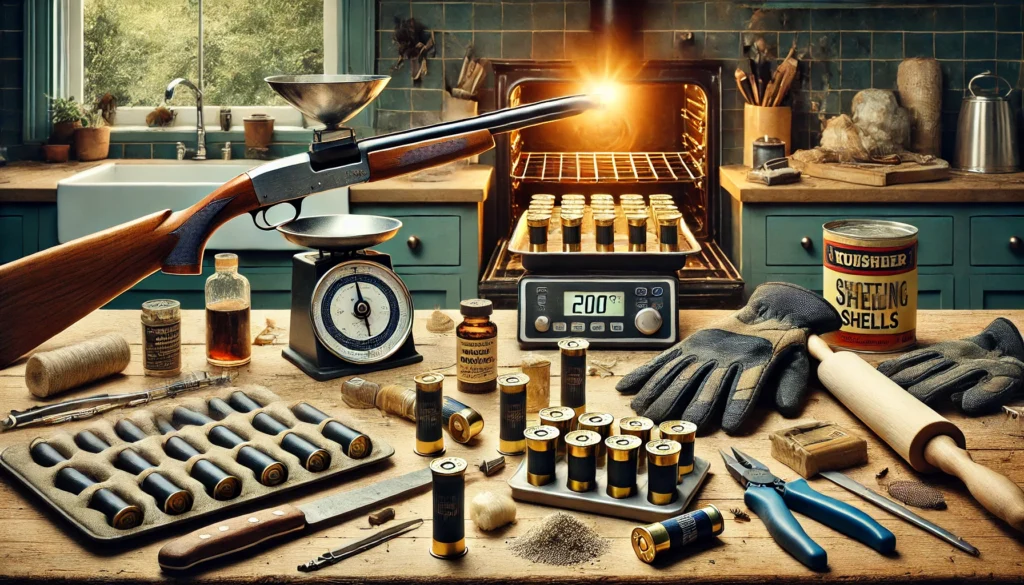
986,134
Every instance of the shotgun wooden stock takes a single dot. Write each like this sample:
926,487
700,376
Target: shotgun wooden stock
392,162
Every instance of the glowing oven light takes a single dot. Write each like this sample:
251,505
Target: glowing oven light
609,92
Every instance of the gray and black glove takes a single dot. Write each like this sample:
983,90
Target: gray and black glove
762,345
978,373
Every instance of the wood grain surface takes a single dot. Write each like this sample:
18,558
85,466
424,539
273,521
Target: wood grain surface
39,546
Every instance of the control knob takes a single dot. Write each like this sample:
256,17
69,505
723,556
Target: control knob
648,321
541,324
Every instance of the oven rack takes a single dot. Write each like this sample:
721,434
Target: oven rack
602,167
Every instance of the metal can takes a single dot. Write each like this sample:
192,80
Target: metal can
662,471
562,418
538,231
541,443
676,533
571,222
870,277
600,423
683,432
623,455
513,413
604,226
449,479
463,423
429,399
668,230
581,452
637,220
574,373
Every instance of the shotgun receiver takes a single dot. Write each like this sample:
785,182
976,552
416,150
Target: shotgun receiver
43,294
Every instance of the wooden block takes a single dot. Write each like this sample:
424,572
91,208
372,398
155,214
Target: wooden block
817,446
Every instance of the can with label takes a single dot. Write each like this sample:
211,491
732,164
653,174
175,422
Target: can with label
870,277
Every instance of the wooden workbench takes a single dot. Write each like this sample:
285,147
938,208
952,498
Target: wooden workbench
38,545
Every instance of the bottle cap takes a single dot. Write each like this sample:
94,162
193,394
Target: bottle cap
162,310
476,307
225,261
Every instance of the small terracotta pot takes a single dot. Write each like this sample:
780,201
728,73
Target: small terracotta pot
259,130
92,143
64,132
56,153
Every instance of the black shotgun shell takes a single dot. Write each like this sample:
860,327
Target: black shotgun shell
463,423
541,445
600,423
581,451
574,374
312,457
685,433
354,444
623,454
662,471
512,413
562,418
429,404
676,533
449,537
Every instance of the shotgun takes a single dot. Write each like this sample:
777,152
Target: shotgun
43,294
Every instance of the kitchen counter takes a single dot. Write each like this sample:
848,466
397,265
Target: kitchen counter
36,182
40,547
960,188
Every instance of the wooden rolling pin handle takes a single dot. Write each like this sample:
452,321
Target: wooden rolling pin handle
996,492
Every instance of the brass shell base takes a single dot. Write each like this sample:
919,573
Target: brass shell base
448,550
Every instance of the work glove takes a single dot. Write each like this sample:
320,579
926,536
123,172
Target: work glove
763,345
978,373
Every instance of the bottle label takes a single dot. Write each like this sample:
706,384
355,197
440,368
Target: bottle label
478,360
162,350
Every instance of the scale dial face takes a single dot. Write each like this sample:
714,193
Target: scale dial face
362,312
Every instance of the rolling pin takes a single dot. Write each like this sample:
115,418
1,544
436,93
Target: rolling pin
924,439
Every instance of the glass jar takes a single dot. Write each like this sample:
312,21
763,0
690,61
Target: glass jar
477,348
227,314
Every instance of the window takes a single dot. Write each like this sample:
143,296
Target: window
131,49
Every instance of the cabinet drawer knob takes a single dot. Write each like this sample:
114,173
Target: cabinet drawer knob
806,243
1014,243
413,242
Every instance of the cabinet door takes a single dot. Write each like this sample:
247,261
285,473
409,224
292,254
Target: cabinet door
19,231
433,291
997,291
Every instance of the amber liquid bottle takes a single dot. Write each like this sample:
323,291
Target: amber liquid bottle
477,348
227,314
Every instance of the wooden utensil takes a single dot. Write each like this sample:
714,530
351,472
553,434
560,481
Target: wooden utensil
744,85
917,433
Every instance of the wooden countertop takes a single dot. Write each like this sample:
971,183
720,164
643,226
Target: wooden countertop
960,188
36,182
40,546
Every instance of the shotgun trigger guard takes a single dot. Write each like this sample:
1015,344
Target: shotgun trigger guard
262,212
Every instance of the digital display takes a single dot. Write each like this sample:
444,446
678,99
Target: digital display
608,304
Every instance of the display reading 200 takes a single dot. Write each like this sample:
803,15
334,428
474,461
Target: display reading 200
610,304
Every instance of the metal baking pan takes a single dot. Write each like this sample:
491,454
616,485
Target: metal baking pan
653,260
596,501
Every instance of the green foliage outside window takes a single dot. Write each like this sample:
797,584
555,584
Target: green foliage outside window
133,48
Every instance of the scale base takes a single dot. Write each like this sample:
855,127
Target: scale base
324,373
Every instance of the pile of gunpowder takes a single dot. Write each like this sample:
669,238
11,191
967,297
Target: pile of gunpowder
560,539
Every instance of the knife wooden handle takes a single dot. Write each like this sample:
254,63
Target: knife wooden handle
228,536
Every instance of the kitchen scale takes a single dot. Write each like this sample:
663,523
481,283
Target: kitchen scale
350,313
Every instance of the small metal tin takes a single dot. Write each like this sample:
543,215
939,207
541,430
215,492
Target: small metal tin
562,418
581,453
623,455
600,423
429,404
541,446
463,423
683,432
513,413
573,351
604,227
538,232
449,536
676,533
662,471
767,148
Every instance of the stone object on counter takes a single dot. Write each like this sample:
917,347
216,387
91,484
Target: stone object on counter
920,86
883,125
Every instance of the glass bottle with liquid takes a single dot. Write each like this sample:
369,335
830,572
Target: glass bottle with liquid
477,348
227,314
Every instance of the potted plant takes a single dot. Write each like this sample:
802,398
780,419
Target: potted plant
92,140
66,115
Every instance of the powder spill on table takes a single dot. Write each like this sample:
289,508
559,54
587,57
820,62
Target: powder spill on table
561,539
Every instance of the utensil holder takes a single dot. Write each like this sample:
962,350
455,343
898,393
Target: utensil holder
259,131
759,122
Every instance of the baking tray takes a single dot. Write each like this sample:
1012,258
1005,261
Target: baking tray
596,501
339,465
588,258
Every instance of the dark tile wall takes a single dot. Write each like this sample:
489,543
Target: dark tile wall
11,94
842,50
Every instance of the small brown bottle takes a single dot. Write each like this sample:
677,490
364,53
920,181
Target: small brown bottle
227,314
477,348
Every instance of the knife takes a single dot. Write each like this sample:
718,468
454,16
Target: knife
895,509
242,532
339,554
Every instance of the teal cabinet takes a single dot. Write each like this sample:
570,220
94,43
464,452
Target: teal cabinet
971,256
26,228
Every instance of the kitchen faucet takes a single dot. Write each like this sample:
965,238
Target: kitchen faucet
200,129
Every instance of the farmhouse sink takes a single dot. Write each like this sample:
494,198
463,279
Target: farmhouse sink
113,193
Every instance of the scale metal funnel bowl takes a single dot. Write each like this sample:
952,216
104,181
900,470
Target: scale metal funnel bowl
331,99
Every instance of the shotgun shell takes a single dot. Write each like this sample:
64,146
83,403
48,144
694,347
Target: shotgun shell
685,433
600,423
571,232
218,483
604,226
668,230
542,197
623,454
513,413
463,423
637,222
660,197
574,374
638,426
562,418
541,443
631,197
538,231
312,457
581,450
429,404
449,479
676,533
354,444
573,197
662,471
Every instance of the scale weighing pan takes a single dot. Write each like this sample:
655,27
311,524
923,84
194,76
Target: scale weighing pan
340,233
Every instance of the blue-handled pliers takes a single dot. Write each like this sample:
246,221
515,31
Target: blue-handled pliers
772,498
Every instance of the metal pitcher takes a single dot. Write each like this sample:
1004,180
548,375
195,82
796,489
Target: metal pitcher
986,135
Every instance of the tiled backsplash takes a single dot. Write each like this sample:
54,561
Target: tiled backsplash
11,94
842,49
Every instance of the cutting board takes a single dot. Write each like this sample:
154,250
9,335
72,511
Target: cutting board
876,175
